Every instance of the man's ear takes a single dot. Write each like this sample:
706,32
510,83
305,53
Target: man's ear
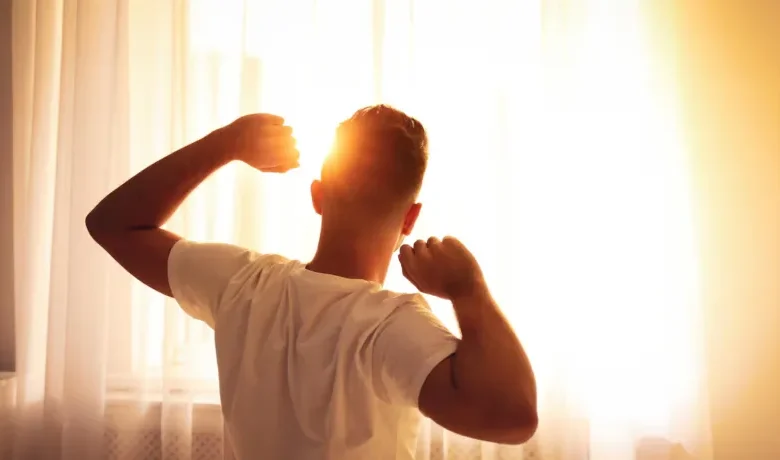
411,218
316,196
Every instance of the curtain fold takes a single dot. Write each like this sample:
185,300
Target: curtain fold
555,155
69,55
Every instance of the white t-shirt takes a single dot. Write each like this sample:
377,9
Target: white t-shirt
311,366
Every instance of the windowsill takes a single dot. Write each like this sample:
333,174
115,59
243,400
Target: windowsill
140,402
139,389
115,397
154,410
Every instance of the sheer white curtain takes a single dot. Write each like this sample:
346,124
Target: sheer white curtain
555,155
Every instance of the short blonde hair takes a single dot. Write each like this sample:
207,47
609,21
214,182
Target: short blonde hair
379,157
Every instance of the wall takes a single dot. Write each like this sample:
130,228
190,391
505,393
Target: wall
6,194
729,60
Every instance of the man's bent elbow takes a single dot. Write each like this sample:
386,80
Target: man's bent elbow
96,226
500,422
515,426
92,224
522,428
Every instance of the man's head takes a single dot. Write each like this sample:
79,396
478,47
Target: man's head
372,177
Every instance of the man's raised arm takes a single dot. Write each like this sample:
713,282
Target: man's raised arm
486,389
127,223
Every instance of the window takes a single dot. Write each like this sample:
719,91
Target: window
557,161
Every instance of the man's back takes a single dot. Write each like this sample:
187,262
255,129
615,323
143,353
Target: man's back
311,366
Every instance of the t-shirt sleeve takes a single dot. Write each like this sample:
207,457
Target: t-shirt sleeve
409,344
199,274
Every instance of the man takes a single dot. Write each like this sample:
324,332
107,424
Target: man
317,361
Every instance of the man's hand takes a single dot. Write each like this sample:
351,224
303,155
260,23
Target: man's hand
444,269
261,141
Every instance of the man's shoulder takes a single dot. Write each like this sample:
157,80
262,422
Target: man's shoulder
274,259
249,263
214,250
394,304
273,266
390,297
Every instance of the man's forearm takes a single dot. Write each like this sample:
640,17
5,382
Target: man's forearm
490,362
150,197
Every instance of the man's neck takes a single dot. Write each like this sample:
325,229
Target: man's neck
350,257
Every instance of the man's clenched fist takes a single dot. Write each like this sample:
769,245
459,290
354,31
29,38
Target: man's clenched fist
443,268
262,141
